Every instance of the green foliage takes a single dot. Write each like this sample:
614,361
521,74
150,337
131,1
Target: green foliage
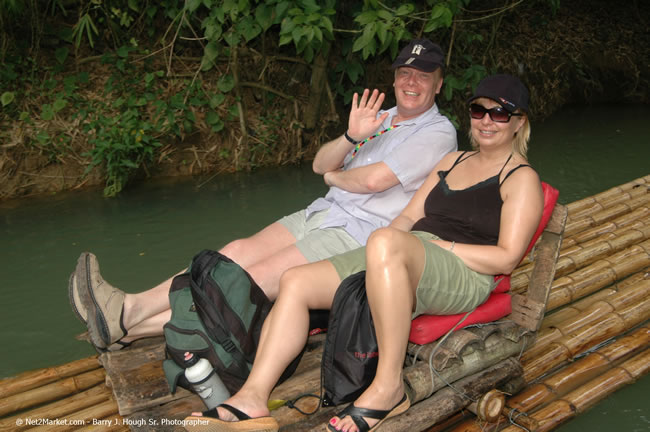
382,29
146,101
126,127
122,133
122,143
86,26
7,98
308,25
468,80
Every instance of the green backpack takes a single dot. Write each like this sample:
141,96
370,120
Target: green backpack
217,313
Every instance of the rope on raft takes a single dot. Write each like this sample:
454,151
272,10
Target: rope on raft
513,419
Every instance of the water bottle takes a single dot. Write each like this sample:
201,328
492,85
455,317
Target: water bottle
204,380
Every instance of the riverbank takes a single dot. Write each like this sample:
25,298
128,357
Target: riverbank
586,52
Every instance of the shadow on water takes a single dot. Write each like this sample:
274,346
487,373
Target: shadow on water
151,231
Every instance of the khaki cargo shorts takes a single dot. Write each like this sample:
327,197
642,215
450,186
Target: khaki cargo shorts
317,243
447,286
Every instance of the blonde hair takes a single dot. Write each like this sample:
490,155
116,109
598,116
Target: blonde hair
519,141
521,138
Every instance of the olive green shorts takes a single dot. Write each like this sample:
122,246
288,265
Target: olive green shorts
447,286
316,243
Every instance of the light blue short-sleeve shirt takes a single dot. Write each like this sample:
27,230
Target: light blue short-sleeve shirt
411,151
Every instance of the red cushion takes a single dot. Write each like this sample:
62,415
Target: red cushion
550,198
427,328
503,285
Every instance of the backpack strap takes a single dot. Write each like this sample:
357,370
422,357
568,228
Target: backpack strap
202,264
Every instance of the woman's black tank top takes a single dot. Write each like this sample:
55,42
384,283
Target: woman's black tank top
471,215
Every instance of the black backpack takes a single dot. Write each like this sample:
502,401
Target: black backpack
217,313
350,354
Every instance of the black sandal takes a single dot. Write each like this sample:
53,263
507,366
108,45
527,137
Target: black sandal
357,415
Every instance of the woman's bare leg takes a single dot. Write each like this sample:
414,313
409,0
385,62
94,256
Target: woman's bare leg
395,261
284,333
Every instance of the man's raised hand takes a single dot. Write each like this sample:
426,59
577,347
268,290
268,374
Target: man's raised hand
363,115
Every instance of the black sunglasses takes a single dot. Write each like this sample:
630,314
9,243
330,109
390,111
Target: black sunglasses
497,114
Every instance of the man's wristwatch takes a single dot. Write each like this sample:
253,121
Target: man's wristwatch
349,138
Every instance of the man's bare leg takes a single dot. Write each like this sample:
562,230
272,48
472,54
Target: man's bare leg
265,255
260,246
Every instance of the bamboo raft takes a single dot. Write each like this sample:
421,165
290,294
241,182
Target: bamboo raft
579,331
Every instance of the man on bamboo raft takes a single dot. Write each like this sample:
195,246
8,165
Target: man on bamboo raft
373,170
473,218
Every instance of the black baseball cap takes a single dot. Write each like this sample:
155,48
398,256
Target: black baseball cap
505,89
420,54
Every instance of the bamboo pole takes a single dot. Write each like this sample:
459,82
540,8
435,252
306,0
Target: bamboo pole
598,218
604,272
87,417
521,280
581,371
567,380
427,412
635,219
489,406
50,392
447,424
448,401
608,209
581,255
569,311
616,190
583,222
37,378
61,408
591,314
583,229
577,207
539,360
424,382
587,395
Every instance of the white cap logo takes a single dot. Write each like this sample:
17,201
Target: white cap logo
417,49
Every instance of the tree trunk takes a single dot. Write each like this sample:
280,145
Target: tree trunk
317,90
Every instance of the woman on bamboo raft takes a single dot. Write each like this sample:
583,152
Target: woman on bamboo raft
472,219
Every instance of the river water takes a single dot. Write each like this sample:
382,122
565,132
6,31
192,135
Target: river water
152,230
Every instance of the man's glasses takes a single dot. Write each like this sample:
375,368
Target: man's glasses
497,114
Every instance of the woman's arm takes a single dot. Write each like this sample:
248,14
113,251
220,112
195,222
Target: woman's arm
523,202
